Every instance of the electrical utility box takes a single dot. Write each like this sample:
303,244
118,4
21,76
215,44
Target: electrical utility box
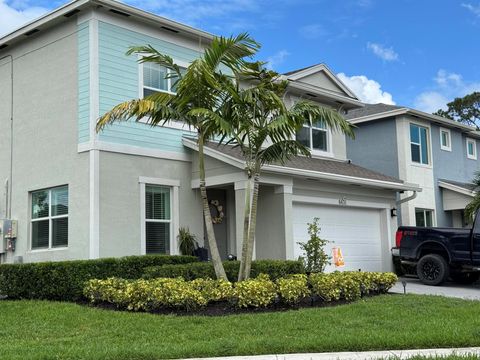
8,233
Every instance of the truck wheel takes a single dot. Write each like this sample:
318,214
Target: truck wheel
432,269
465,278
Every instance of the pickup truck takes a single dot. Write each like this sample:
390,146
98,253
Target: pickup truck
438,254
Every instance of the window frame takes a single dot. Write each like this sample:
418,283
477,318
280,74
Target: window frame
174,186
50,219
429,152
173,123
447,147
328,140
474,142
424,212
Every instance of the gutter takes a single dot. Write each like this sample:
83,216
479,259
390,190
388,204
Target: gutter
409,198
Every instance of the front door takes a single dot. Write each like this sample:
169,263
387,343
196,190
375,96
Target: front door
218,208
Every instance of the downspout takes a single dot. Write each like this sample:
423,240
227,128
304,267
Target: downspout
411,197
8,182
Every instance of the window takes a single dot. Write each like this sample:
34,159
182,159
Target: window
445,140
419,143
472,149
314,137
424,217
158,219
157,78
49,224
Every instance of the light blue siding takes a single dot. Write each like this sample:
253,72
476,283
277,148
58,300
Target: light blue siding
83,83
119,82
451,165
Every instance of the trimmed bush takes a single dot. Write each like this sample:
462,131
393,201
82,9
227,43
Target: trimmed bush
176,293
350,285
293,289
259,292
65,280
273,268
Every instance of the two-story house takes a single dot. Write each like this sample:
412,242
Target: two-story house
78,194
439,154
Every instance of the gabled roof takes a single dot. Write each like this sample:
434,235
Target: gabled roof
62,13
300,74
309,167
372,112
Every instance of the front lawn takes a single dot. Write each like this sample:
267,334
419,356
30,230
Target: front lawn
43,330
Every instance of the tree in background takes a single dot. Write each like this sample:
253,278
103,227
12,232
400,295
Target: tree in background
465,110
474,205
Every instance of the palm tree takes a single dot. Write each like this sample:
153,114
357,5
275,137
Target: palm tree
474,205
264,129
198,97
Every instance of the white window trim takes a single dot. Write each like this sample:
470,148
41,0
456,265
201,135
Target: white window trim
429,150
174,186
474,142
49,218
171,124
434,222
321,153
449,138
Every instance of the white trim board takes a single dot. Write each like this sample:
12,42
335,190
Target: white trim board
455,188
133,150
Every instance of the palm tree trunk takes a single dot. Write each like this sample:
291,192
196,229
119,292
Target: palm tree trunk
246,225
212,242
253,223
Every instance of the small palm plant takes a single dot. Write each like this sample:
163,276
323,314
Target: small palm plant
187,242
474,205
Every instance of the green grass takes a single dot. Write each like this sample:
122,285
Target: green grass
44,330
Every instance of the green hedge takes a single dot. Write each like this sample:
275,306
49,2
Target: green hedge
65,280
177,294
275,269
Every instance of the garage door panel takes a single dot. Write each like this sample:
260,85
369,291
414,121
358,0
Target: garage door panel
357,231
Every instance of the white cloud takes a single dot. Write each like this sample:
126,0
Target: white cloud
447,86
12,18
384,53
312,31
276,59
367,90
474,9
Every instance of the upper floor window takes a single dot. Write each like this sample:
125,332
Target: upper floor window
419,143
314,137
49,224
472,149
158,219
157,78
445,139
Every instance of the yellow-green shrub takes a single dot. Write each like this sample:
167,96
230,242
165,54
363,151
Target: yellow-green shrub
213,290
258,292
325,286
293,289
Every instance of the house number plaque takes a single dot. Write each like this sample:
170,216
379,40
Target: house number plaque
342,201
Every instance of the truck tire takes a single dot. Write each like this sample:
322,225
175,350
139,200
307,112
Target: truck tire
465,278
432,269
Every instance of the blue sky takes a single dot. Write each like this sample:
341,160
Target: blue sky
420,54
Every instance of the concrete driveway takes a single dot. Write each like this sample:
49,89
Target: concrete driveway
414,286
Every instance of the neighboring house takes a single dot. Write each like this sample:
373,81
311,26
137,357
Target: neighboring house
439,154
78,195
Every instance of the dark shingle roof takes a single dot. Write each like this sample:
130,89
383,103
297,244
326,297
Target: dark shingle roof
463,185
345,168
370,109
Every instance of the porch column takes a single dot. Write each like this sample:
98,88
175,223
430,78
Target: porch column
285,191
239,187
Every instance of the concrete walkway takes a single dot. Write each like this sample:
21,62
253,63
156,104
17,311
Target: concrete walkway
414,286
390,354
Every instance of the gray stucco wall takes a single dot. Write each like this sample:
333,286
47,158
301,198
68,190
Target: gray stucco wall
451,165
45,136
375,146
120,199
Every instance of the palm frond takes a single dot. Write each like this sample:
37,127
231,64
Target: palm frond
282,151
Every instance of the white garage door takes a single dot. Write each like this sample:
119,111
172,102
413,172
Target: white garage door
357,231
